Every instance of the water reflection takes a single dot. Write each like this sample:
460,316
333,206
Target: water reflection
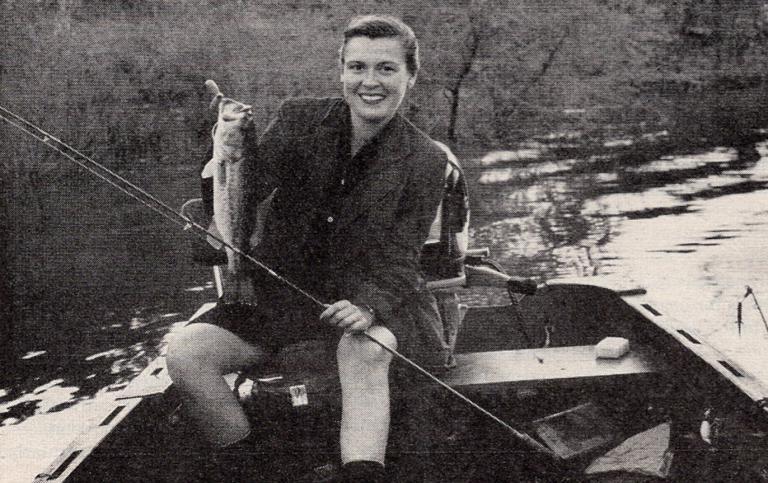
525,173
60,378
691,228
32,355
676,163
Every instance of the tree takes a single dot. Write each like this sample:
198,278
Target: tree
469,52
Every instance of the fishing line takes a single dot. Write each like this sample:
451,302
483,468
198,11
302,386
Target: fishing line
169,213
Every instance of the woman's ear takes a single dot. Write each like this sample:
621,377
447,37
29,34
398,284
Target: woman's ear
412,81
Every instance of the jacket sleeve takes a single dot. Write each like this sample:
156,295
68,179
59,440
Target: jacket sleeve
391,274
276,155
263,168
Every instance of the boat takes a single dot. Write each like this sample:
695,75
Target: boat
530,360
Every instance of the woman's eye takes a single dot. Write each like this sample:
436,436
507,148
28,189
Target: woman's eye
355,67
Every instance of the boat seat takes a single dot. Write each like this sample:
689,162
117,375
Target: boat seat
546,367
489,372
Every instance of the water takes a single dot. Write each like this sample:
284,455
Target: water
691,228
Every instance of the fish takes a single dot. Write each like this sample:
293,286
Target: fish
227,169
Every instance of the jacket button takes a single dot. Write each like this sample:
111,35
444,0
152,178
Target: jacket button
330,219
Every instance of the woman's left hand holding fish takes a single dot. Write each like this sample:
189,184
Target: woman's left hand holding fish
348,316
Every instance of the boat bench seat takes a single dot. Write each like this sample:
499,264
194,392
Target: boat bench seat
492,371
554,366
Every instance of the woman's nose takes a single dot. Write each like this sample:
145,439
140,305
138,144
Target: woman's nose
370,77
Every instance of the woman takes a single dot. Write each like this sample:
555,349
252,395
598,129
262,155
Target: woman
357,189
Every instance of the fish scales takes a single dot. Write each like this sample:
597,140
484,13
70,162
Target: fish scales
226,168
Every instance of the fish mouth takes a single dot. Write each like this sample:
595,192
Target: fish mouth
236,116
239,111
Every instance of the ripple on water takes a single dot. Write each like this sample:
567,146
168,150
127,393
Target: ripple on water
508,156
702,287
625,204
32,355
519,174
48,397
688,162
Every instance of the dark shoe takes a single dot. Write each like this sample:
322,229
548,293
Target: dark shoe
240,461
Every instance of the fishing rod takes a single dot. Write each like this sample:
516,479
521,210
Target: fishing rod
158,206
136,192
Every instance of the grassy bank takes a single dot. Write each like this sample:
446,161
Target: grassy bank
123,81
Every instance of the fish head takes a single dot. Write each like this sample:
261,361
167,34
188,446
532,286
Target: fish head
229,110
235,118
232,111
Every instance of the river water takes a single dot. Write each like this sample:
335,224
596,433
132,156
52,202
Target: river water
690,228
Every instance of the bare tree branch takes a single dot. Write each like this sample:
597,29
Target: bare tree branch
472,43
502,113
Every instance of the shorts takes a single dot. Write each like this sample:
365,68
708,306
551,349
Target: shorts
266,329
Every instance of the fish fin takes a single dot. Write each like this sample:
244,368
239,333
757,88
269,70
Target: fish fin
262,213
209,169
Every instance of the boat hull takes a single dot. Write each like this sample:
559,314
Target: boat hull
670,374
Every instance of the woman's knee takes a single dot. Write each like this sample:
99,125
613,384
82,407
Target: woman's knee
203,347
186,349
359,348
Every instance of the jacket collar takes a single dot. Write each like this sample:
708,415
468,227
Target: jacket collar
393,138
395,142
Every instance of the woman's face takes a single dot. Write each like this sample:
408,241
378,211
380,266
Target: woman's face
375,78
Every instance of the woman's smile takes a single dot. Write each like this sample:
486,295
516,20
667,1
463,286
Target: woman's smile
372,98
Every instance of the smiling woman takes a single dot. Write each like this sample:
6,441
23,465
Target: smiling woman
356,188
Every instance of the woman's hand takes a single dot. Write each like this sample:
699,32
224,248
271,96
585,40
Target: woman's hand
348,316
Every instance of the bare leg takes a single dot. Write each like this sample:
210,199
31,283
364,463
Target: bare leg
364,375
198,356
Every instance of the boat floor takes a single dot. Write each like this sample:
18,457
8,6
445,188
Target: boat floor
433,439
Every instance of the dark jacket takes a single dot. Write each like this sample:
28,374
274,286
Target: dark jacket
378,236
